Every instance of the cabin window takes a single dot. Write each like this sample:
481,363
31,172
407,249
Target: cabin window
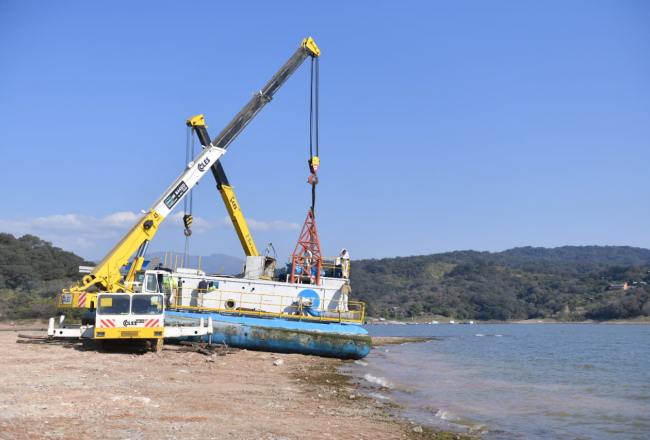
147,305
114,305
152,283
137,283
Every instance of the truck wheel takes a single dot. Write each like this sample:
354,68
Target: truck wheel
88,317
92,344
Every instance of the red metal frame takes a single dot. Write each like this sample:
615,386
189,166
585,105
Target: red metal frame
307,254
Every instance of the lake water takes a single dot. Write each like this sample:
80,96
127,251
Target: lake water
514,381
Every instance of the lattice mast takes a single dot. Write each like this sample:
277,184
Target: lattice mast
306,259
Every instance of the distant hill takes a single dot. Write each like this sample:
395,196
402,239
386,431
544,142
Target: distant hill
569,259
32,273
212,264
570,282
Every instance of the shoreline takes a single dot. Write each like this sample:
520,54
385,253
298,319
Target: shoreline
64,390
644,320
339,384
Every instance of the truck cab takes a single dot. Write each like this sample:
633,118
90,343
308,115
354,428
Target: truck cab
130,316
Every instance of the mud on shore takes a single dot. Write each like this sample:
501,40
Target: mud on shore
63,391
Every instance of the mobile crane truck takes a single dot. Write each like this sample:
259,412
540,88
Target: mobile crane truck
128,309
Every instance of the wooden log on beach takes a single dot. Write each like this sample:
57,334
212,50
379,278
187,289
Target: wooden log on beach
24,336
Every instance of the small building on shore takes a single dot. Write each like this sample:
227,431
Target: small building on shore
618,286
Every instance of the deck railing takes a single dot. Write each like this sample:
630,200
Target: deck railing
258,304
328,267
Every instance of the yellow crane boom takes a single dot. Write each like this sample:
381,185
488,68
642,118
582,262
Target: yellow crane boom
227,191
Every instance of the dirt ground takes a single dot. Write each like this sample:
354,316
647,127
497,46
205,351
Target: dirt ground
55,391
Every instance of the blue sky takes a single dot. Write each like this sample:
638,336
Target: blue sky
444,125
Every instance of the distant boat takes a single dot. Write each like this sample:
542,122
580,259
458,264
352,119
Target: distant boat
434,322
451,321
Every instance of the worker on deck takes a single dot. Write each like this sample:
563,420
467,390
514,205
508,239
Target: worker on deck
176,296
170,289
167,289
343,263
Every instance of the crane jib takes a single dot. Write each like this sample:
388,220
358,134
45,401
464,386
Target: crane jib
257,102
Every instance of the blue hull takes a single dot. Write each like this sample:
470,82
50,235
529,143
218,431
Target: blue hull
344,341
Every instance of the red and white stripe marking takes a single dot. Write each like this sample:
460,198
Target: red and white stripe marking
152,323
106,323
81,302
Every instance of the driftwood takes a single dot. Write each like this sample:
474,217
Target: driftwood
46,341
24,336
32,339
24,329
207,349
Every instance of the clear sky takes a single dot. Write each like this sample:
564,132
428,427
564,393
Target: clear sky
444,125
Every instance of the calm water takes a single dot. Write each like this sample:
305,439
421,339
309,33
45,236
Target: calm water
518,381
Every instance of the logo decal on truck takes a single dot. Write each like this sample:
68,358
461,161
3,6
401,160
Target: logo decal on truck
142,322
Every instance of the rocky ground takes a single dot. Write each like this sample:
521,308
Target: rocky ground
66,391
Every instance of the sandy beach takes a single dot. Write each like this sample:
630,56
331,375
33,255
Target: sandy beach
58,391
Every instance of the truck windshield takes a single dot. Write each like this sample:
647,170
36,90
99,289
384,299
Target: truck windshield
114,305
147,305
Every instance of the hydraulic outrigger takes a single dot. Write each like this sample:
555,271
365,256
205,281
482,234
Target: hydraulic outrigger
106,290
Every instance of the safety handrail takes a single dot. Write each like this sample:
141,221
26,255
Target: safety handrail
234,302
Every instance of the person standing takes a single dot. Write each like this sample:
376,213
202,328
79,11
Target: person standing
345,263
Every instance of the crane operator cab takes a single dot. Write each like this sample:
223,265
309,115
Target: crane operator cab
157,281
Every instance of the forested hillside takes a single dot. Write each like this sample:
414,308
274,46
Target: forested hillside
571,282
32,273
